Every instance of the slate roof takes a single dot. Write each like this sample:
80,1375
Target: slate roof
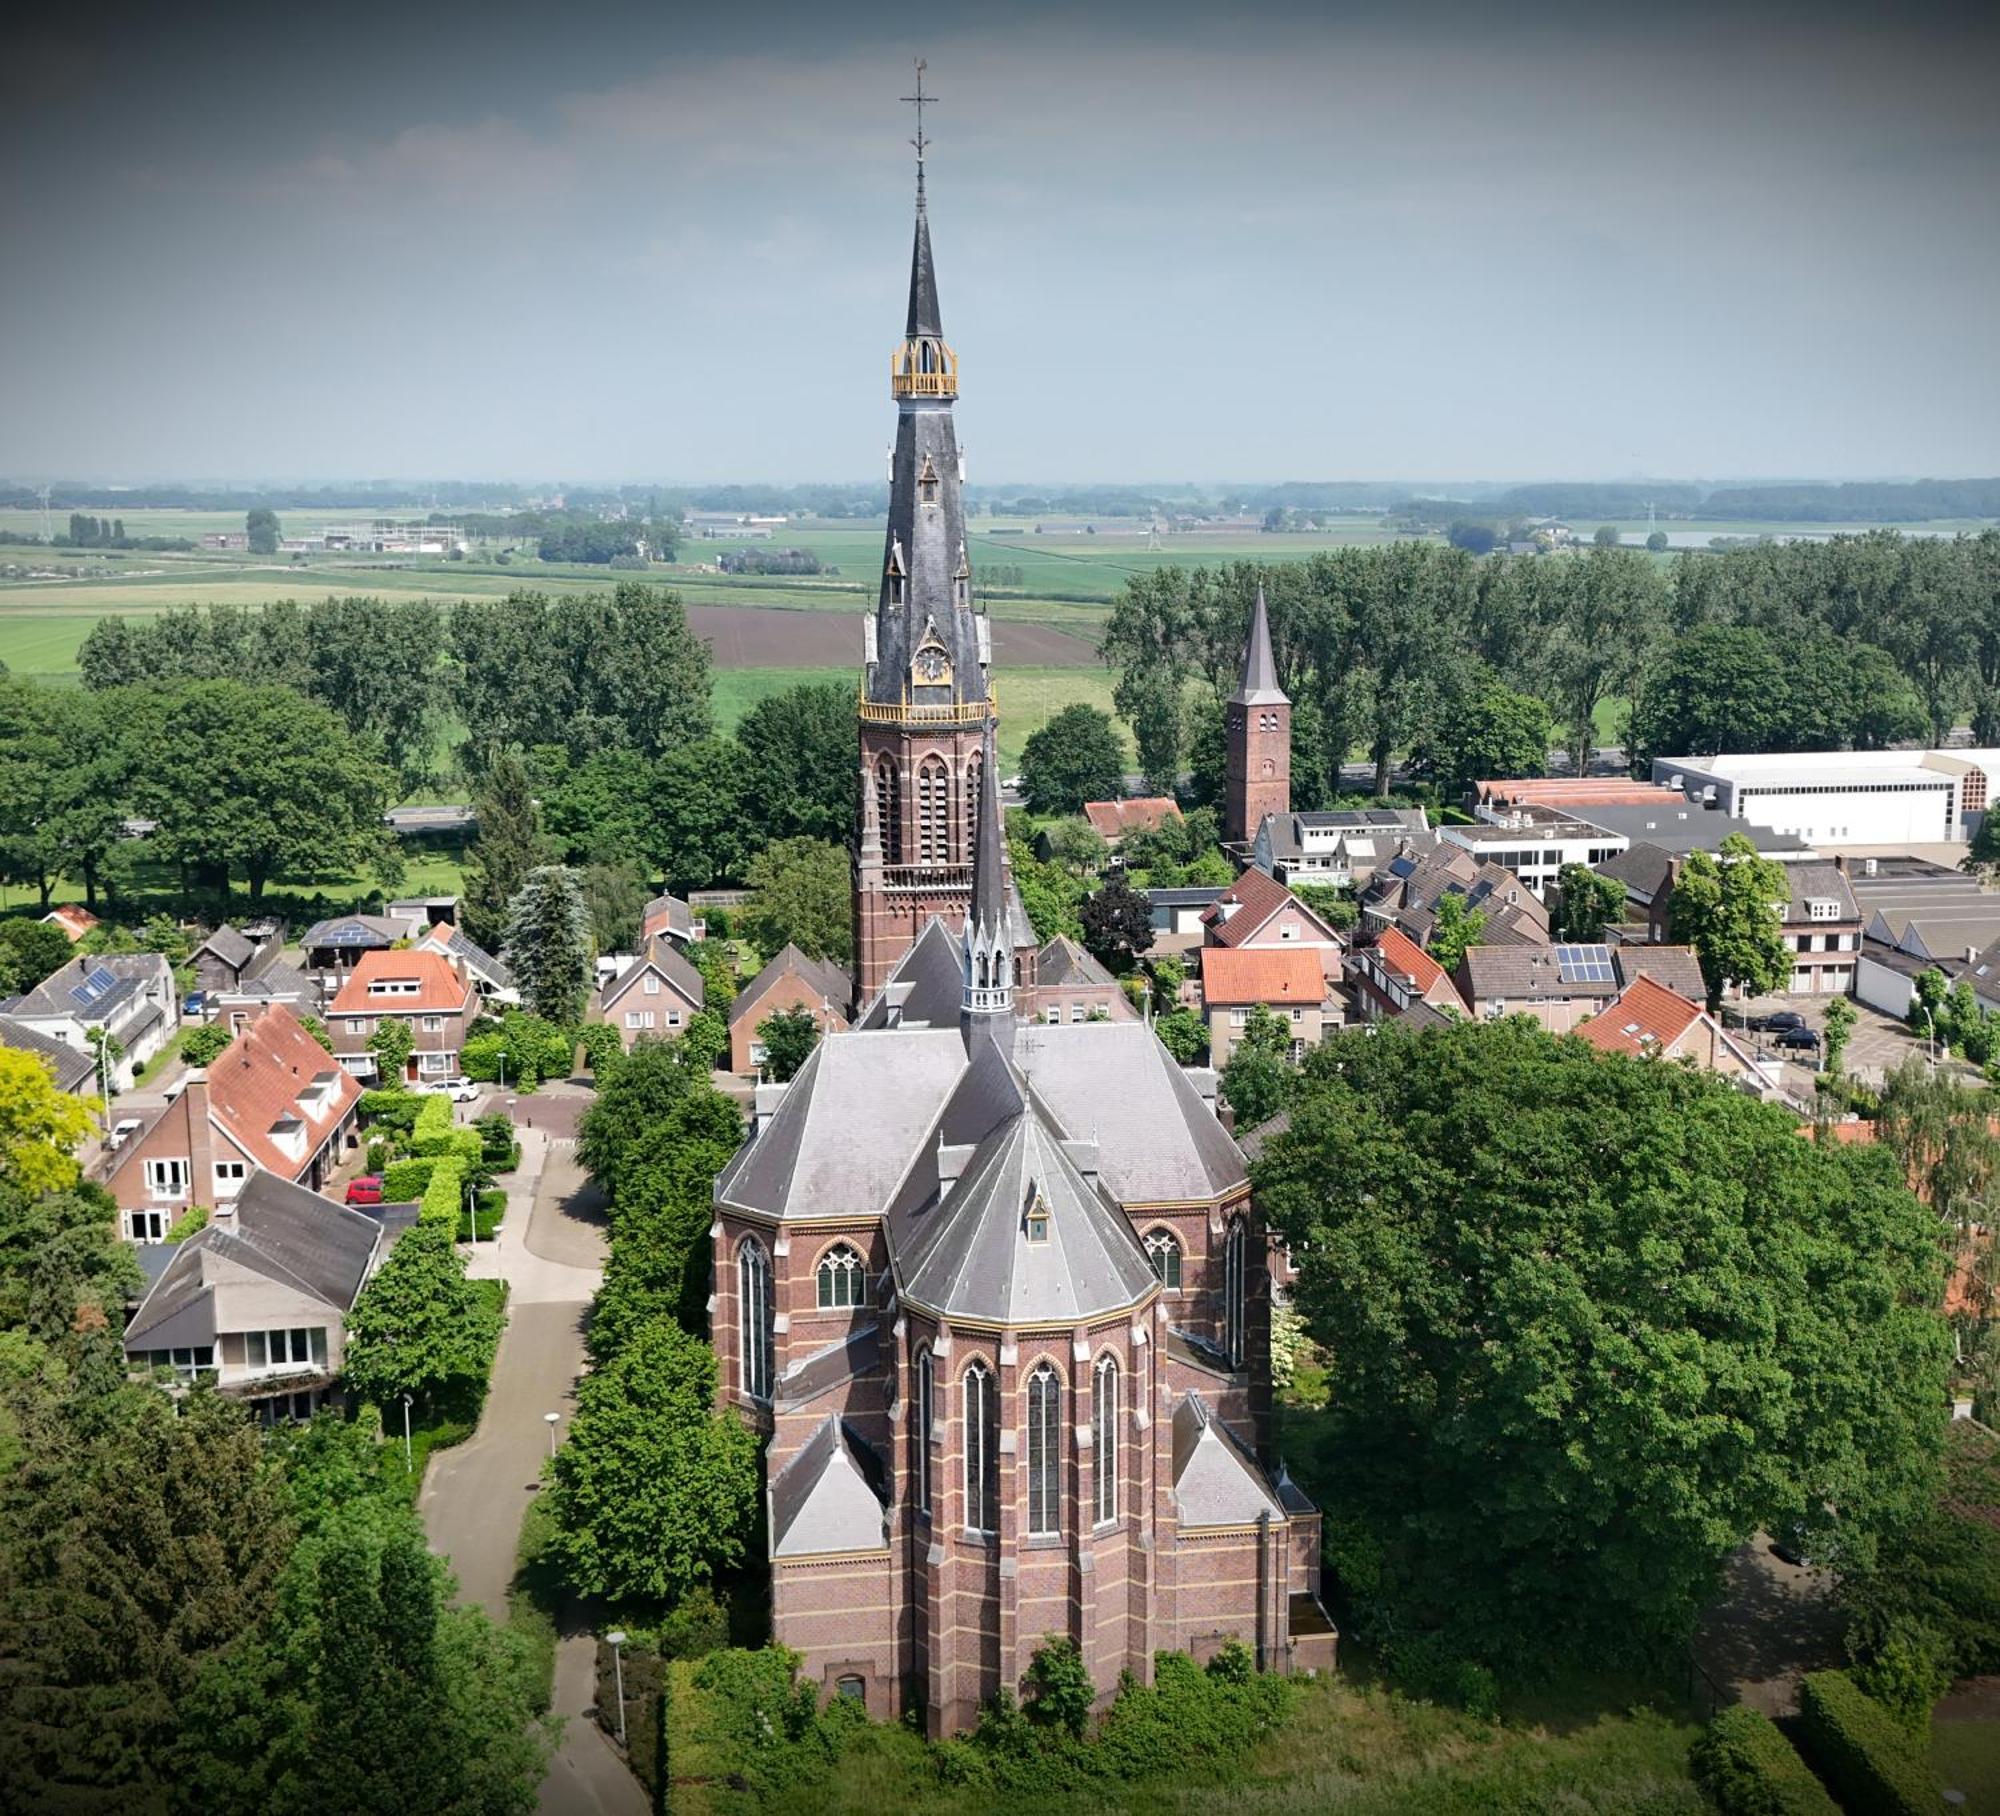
665,958
278,982
826,979
444,937
73,1066
973,1257
1643,868
279,1230
1233,976
1818,882
93,988
1523,974
357,932
233,948
1680,826
927,985
805,1380
1257,684
441,989
1675,967
829,1497
667,914
1062,962
1215,1482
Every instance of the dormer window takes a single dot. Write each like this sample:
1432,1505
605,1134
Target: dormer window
1037,1220
927,482
394,986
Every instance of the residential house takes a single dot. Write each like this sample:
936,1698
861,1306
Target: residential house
1393,976
1341,847
1559,986
73,918
423,988
1259,911
1647,1020
1675,967
229,958
668,917
236,1006
1404,893
1286,980
494,982
1071,986
273,1099
656,993
257,1301
1177,913
1822,918
789,981
75,1068
334,947
1112,821
128,995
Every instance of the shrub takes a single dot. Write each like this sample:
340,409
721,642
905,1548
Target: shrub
1062,1686
395,1109
378,1156
1910,1670
203,1045
190,1222
444,1197
1748,1768
1870,1759
404,1181
602,1047
699,1624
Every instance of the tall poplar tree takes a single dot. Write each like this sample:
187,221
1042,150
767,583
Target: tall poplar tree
510,843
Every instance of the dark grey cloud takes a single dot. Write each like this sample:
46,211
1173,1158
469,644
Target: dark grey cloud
1305,242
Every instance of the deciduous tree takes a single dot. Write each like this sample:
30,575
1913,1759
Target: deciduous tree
1725,907
1074,758
801,895
788,1038
508,844
1117,924
1585,904
420,1326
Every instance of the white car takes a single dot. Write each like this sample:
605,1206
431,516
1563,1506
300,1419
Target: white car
459,1090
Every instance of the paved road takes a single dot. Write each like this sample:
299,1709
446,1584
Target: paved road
1775,1622
551,1254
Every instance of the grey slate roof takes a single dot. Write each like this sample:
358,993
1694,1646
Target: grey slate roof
233,948
1063,961
354,932
829,1497
1681,827
1643,869
1674,967
1253,1142
279,1230
665,958
1215,1483
1818,882
855,1354
976,1259
926,987
818,974
72,1066
276,983
476,959
989,903
1257,685
1525,973
93,987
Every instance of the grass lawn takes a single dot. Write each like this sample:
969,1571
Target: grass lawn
1967,1757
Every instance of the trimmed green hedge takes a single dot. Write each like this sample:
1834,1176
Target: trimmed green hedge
1749,1768
1870,1759
444,1197
396,1109
404,1180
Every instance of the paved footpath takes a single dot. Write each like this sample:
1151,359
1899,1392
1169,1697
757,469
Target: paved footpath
551,1254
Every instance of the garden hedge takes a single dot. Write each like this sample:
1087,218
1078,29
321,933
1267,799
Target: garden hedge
397,1109
1870,1759
444,1197
1749,1768
403,1181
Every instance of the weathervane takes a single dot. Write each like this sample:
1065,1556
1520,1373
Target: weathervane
919,101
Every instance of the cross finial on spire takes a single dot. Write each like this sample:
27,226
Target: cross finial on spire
920,101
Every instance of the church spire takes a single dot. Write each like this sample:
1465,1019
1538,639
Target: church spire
924,322
989,945
1258,685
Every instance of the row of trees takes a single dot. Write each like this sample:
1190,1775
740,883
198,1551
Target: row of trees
1417,649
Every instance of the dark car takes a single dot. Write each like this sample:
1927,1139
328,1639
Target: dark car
367,1189
1777,1022
197,1001
1796,1040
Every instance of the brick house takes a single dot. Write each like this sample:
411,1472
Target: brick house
1071,986
494,982
273,1100
1559,986
1113,820
1646,1020
419,986
1259,911
1286,980
789,981
668,917
1393,974
657,993
257,1301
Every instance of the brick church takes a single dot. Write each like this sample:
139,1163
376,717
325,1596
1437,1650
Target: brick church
991,1283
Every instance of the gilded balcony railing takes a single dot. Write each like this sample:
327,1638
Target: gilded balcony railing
909,712
908,377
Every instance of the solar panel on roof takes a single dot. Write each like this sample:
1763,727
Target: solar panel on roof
1585,964
93,986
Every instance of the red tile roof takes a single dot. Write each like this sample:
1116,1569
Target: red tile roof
259,1078
441,987
1578,791
1405,957
1144,813
1640,1018
1260,974
1260,894
74,919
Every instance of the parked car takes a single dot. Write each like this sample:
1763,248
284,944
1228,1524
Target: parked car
196,1003
365,1189
1776,1022
1796,1040
459,1090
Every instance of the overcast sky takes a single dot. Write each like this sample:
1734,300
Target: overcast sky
1173,243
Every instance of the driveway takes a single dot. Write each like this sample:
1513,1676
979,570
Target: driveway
550,1252
1774,1623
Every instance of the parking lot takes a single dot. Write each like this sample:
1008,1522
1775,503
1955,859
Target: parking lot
1878,1045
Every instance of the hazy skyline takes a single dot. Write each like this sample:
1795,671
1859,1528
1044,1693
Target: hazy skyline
639,243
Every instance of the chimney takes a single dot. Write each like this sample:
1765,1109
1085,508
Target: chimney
201,1137
1840,862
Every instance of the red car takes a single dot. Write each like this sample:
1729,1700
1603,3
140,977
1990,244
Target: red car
365,1190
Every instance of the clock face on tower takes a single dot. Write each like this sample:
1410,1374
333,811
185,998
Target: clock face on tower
930,665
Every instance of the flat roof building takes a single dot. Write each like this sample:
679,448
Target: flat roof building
1845,797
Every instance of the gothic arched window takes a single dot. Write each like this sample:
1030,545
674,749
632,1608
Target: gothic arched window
1104,1436
971,792
926,1416
1163,1250
1044,1450
753,1273
933,812
889,809
1234,1256
982,1449
842,1283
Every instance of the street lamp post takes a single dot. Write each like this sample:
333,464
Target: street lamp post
408,1462
617,1638
551,1419
472,1213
